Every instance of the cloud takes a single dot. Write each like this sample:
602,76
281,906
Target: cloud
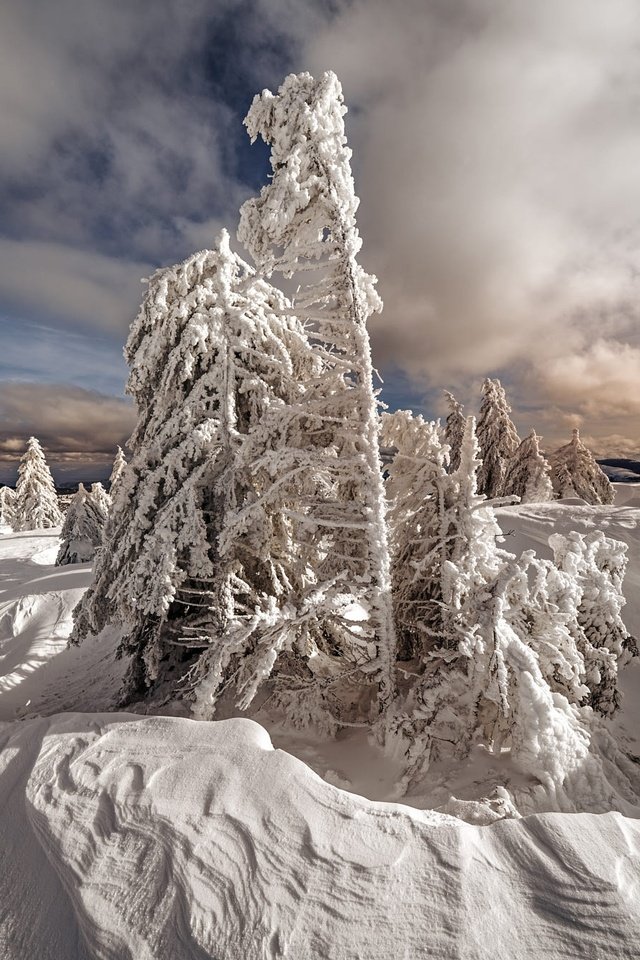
72,423
72,284
601,380
496,152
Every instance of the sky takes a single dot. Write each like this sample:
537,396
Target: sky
496,153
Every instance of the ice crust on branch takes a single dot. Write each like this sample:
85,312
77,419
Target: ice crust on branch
303,225
36,502
575,473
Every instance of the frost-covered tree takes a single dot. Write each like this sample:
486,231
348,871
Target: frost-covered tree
36,502
101,501
213,358
575,473
450,541
119,465
516,646
528,473
594,566
206,561
497,437
454,430
83,525
7,506
420,494
303,225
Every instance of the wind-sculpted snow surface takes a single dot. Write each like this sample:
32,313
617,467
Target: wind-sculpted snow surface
199,840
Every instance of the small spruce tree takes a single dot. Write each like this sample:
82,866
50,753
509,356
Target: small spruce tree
119,465
528,473
36,503
83,525
497,437
7,507
594,566
454,430
575,473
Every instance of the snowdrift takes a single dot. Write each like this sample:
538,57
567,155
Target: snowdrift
164,837
126,836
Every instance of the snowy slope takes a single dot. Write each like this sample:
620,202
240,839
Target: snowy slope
159,837
168,838
37,672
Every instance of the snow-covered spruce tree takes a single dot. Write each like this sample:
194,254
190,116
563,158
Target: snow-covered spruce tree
303,225
451,540
595,566
202,559
212,356
497,437
83,525
575,473
423,501
119,465
7,506
101,502
483,680
454,430
528,473
36,502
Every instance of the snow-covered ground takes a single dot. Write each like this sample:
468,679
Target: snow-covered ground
128,836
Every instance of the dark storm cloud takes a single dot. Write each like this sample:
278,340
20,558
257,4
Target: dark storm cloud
117,150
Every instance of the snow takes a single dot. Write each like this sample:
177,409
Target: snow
37,671
627,494
197,840
160,836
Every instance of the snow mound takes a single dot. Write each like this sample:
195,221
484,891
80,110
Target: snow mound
199,840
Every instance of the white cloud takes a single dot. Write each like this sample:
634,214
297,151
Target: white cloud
68,420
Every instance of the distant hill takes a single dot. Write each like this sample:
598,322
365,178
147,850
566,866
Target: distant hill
621,470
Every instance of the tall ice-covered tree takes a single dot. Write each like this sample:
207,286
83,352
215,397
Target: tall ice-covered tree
303,225
36,503
497,437
213,358
575,473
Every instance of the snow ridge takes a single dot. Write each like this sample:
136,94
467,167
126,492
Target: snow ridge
199,840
